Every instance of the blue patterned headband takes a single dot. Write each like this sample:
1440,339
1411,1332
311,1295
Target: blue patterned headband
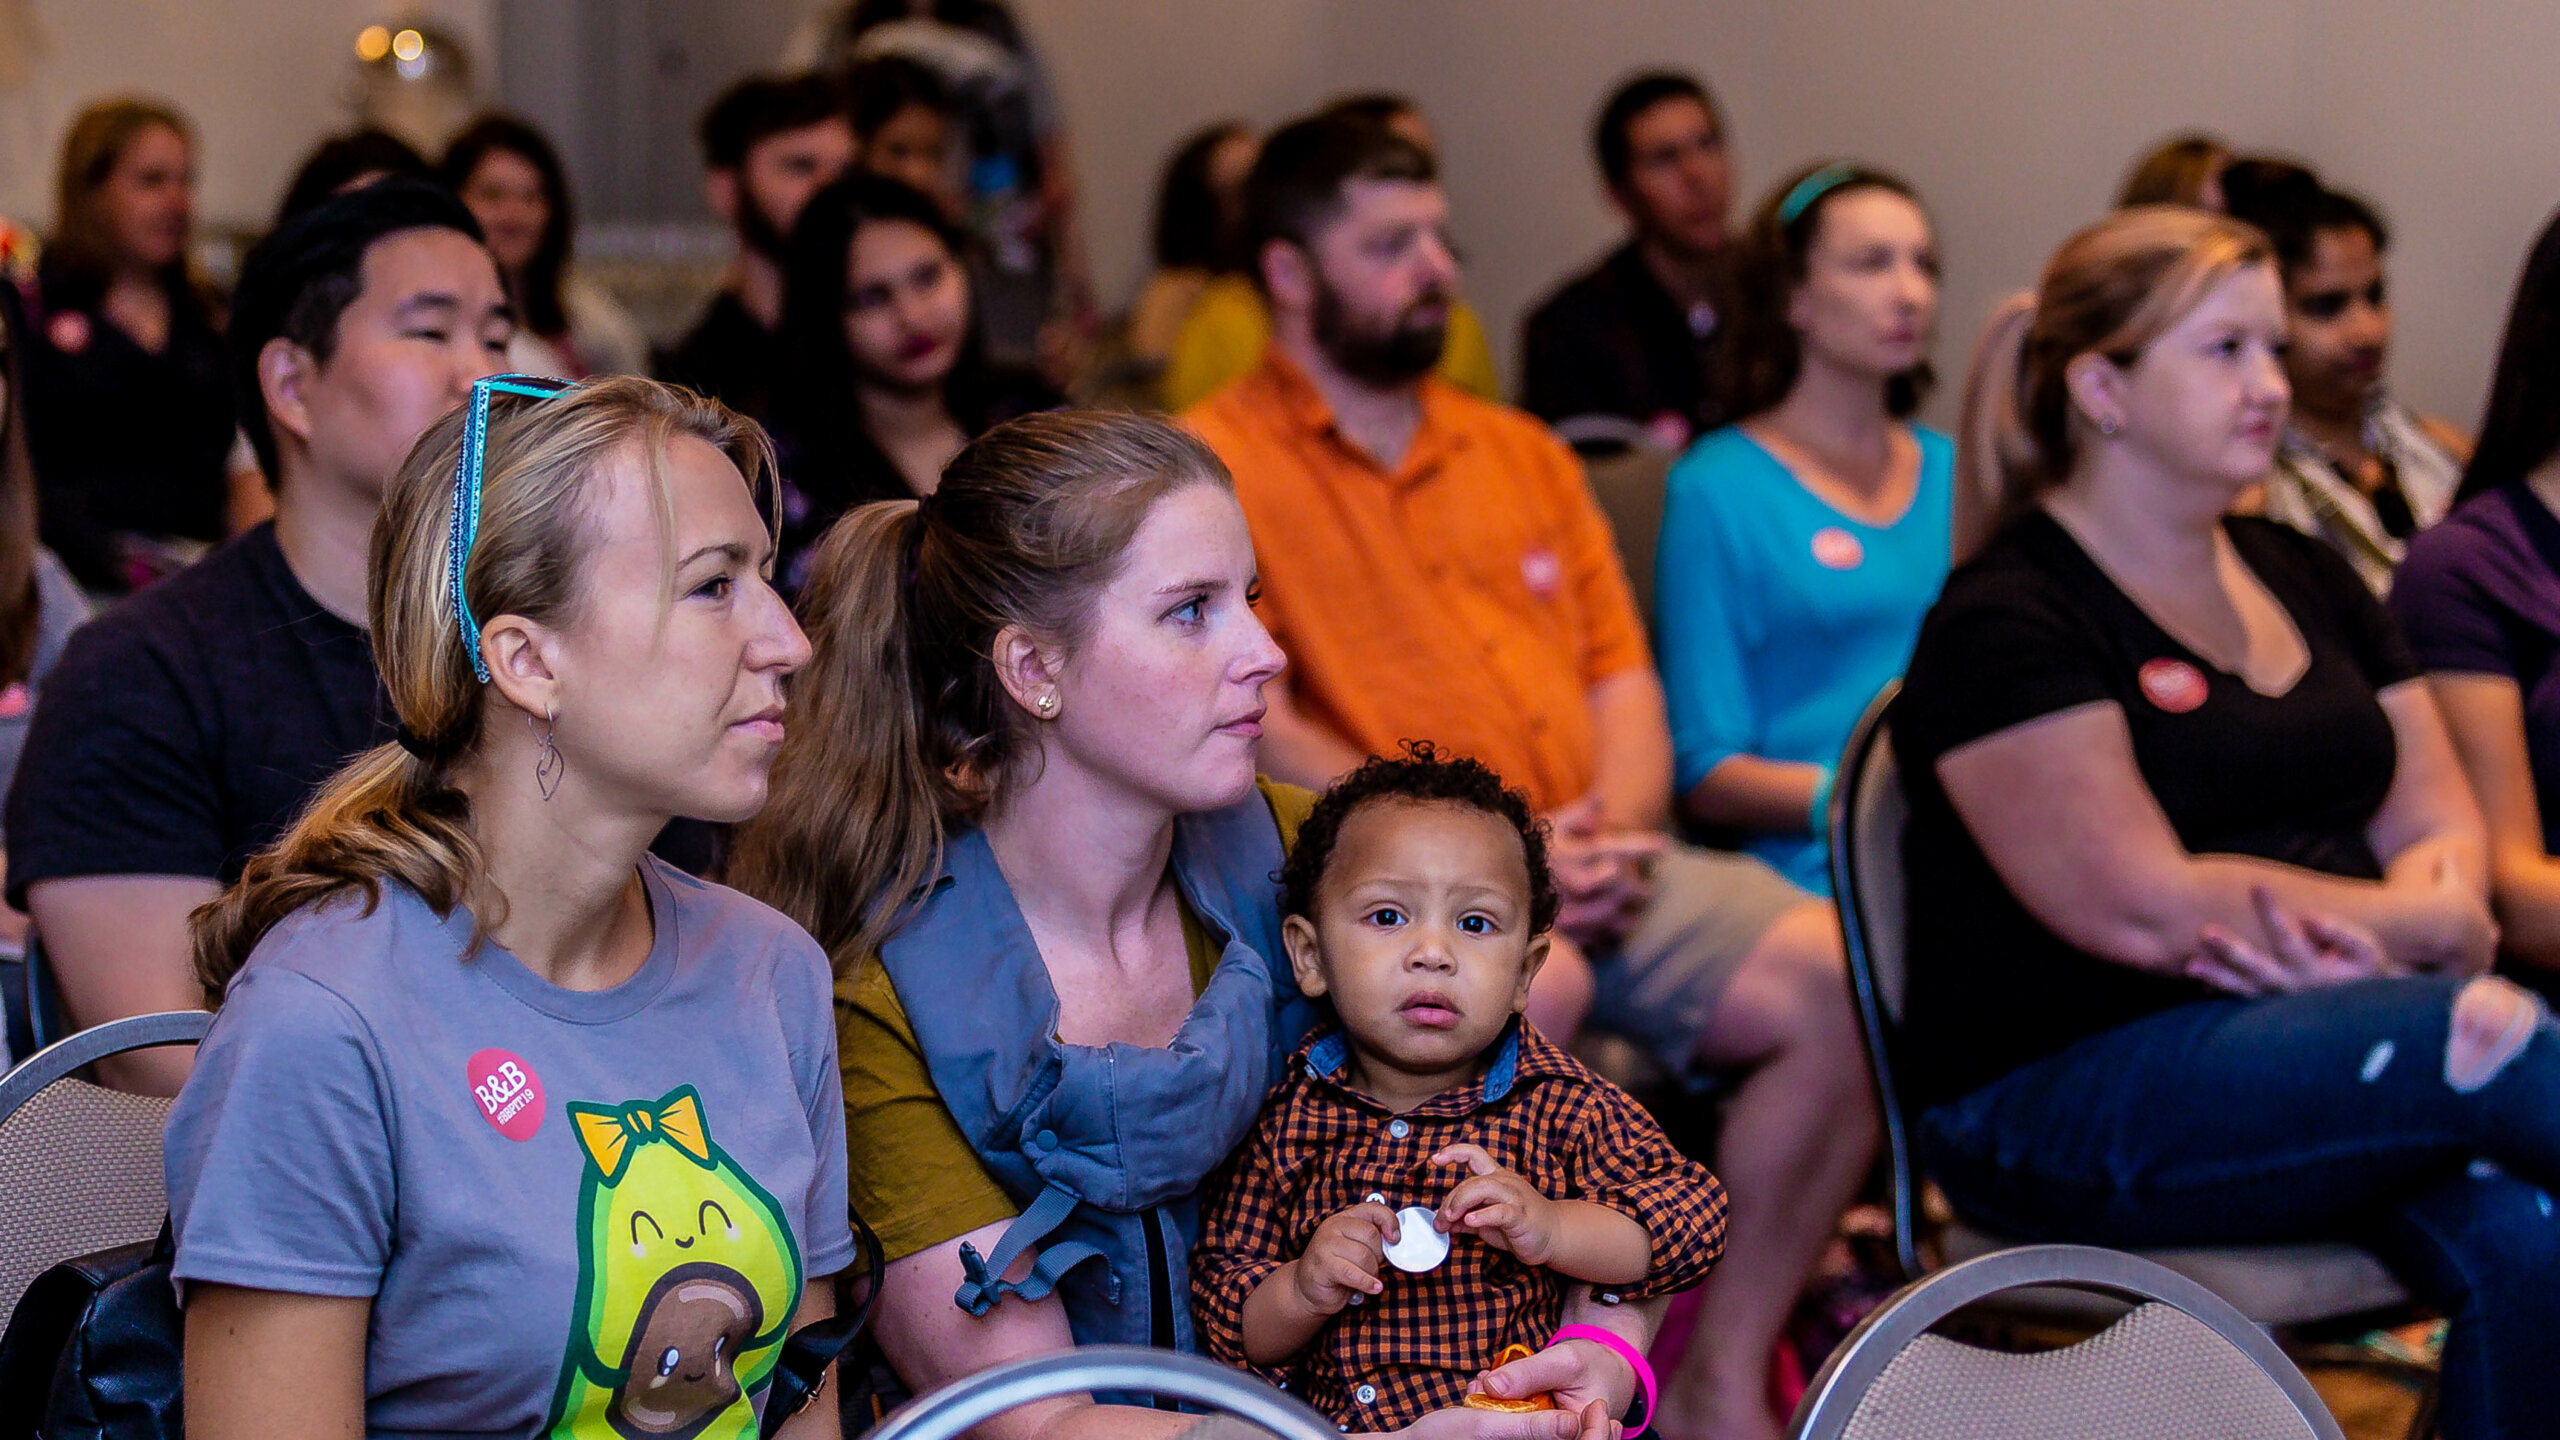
466,493
1811,188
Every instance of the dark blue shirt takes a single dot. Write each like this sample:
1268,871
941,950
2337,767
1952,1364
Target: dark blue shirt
184,729
2480,594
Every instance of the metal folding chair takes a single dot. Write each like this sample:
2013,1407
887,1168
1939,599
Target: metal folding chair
80,1164
2181,1365
951,1411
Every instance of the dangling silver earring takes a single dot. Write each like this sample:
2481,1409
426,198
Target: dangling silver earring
547,763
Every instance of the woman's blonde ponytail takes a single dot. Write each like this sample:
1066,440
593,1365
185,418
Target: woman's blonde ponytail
2110,291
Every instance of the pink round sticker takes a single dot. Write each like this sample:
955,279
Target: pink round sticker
1542,572
2173,685
69,332
508,1092
1837,549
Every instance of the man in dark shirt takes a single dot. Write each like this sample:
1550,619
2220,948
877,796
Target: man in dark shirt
768,144
182,731
1633,338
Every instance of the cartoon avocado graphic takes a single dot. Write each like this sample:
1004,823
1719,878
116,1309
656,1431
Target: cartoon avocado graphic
688,1276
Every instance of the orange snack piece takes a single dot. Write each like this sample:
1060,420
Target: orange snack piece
1478,1400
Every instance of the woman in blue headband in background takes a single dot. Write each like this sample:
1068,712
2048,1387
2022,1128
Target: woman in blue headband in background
1802,544
505,1127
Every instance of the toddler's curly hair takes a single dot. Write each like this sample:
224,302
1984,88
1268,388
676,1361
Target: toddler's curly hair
1421,774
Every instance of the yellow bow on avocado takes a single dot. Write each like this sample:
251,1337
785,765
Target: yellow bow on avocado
608,1133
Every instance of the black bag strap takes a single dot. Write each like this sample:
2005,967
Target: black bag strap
815,1346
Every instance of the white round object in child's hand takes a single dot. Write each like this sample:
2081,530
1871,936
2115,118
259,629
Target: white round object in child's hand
1419,1246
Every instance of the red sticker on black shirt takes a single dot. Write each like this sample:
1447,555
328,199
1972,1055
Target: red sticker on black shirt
2173,685
508,1092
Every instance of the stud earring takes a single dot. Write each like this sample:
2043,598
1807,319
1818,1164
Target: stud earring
2108,425
1047,705
547,764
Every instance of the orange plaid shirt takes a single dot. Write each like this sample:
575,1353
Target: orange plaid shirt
1321,1148
1471,597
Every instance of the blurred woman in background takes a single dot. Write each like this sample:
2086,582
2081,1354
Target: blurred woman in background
2181,170
2480,598
1801,545
1199,233
514,183
882,379
2357,468
129,403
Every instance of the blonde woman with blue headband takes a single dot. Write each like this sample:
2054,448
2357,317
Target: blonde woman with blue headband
504,1126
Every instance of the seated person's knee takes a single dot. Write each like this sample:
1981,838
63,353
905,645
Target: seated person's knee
2493,1020
1561,996
1804,947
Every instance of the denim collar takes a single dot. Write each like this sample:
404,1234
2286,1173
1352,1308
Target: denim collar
1327,1053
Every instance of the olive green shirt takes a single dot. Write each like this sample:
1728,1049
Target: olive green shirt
912,1174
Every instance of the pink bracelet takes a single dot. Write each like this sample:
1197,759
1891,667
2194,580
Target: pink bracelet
1633,1356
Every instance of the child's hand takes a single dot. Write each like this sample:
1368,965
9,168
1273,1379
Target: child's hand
1342,1261
1498,1207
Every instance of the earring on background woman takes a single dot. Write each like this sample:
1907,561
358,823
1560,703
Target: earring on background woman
1047,705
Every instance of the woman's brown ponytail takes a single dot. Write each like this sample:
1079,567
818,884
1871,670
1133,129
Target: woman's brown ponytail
852,793
900,730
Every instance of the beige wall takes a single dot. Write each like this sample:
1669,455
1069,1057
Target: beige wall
262,79
2014,117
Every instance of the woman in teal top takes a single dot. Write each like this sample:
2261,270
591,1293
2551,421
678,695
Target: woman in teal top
1801,546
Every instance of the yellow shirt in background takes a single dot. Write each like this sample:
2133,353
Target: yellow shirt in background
911,1172
1223,336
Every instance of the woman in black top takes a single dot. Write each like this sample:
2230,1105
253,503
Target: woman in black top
2197,914
129,406
881,378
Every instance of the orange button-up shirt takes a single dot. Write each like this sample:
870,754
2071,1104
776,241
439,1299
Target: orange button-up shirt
1471,596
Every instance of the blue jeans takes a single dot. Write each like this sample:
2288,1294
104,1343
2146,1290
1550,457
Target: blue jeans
2294,1118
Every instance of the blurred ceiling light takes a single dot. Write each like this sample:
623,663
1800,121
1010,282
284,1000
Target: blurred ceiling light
413,77
412,52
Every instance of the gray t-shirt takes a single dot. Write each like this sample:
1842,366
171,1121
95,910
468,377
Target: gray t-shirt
591,1211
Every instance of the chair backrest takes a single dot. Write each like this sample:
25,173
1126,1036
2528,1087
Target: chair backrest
2181,1365
42,1001
1628,486
1868,811
80,1164
956,1408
